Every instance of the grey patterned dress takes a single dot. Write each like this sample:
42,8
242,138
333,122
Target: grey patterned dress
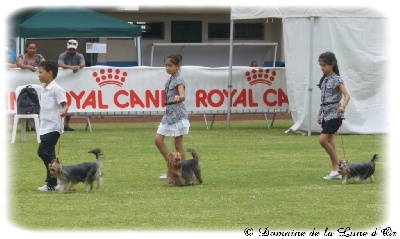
174,112
331,96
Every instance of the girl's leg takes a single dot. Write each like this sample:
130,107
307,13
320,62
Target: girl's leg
327,141
162,147
178,142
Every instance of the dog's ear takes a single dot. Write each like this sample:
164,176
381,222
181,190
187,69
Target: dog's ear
170,155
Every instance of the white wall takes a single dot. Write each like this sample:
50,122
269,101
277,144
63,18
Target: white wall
273,30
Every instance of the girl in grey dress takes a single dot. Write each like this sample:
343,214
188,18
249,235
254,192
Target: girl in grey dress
331,112
175,122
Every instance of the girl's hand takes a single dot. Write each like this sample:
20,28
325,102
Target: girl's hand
341,109
178,99
63,113
319,119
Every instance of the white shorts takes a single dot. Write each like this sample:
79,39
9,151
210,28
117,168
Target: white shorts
179,128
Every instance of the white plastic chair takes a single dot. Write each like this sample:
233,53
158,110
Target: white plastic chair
23,117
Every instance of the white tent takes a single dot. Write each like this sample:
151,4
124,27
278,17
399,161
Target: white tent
357,37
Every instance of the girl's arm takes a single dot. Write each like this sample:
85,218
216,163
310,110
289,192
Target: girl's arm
319,115
346,94
181,94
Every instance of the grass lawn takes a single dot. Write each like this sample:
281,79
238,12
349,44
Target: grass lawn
253,177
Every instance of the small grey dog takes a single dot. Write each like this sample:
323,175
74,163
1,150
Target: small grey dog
363,170
87,172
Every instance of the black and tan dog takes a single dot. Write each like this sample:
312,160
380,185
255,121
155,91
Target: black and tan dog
363,170
87,172
183,172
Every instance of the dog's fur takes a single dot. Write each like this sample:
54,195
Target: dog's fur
183,172
87,172
363,170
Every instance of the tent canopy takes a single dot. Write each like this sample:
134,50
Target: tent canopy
71,22
284,12
357,36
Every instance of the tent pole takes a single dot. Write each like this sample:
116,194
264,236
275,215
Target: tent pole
20,44
310,74
138,41
228,121
91,54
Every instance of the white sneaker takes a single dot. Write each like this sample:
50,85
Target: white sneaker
163,177
46,188
58,186
333,175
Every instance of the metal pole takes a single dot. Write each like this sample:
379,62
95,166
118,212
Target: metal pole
230,77
310,74
151,56
138,41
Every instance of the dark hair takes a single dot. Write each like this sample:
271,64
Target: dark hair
28,43
330,59
50,65
175,58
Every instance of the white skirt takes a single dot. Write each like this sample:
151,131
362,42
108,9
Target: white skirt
179,128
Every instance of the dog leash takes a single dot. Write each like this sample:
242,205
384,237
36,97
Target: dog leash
173,145
59,141
341,136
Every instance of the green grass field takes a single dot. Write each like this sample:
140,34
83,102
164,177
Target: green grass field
253,177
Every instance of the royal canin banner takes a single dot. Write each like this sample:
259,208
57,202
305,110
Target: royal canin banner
140,90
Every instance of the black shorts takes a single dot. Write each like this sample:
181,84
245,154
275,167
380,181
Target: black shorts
331,126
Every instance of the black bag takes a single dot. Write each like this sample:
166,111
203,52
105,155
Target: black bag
28,101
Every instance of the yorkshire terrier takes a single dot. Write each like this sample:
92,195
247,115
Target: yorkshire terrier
363,170
87,172
183,172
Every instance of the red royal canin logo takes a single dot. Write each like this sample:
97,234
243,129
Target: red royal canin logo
260,76
110,76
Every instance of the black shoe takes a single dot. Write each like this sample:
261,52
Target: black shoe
67,128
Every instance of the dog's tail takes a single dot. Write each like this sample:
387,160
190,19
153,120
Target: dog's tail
99,156
194,153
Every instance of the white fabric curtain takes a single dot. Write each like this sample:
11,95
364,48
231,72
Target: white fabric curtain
358,38
360,48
